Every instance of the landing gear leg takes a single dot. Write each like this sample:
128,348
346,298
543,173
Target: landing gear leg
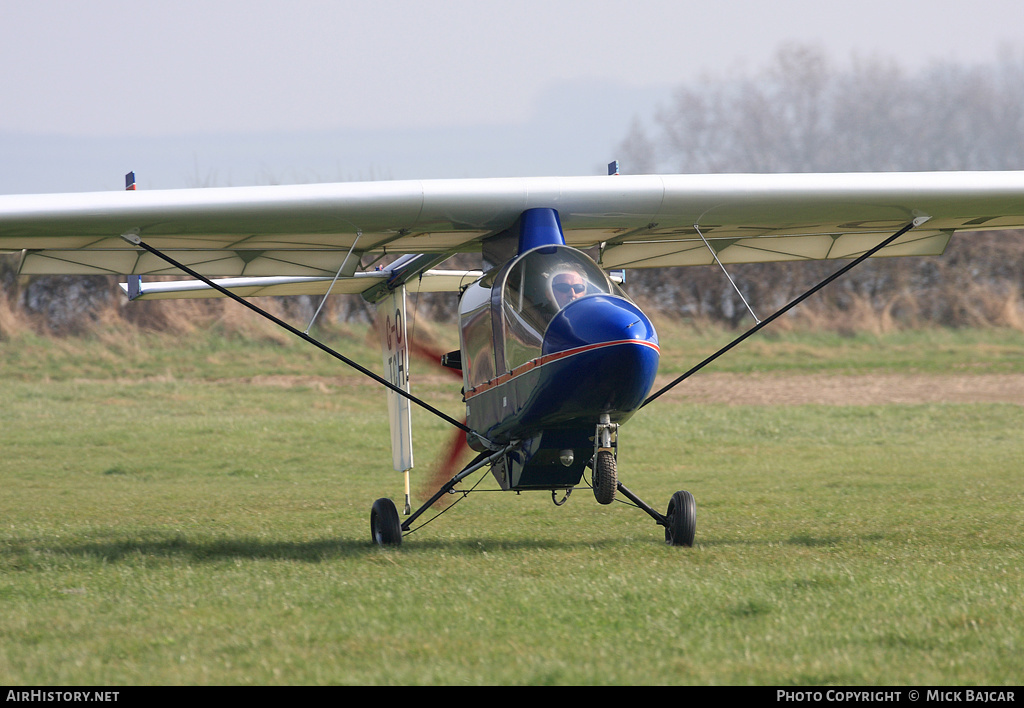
681,520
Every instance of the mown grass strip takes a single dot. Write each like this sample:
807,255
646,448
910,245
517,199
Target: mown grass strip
205,529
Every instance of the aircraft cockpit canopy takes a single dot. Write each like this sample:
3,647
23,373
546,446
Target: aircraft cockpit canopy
528,293
536,287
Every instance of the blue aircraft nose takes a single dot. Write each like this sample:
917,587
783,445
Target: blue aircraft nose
613,349
597,319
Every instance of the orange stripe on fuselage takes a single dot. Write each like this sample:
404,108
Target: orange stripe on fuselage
547,359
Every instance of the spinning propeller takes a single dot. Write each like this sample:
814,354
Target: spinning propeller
448,462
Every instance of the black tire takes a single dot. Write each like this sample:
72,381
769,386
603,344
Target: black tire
385,526
682,520
606,478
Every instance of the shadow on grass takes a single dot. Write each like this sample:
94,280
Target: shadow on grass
28,554
33,553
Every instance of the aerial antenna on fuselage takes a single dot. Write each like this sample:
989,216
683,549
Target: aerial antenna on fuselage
619,276
134,281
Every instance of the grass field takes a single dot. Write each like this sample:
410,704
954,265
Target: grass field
197,513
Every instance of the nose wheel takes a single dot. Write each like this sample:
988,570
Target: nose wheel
606,477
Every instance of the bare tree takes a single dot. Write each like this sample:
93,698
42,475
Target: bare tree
803,114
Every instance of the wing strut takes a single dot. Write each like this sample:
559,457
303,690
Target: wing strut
786,308
359,235
137,241
733,282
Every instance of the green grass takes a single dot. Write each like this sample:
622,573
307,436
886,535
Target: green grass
166,520
911,351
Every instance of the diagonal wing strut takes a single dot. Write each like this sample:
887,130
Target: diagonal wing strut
137,241
786,308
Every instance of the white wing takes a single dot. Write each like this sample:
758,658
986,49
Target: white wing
636,221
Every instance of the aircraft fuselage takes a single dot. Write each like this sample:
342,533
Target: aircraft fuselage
550,347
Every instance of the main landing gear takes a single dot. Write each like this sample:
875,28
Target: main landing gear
679,521
385,526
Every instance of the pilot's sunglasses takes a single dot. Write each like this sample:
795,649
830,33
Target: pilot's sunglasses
566,287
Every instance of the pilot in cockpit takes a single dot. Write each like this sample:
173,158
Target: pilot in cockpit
566,286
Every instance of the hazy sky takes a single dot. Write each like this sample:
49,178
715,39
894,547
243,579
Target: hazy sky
101,71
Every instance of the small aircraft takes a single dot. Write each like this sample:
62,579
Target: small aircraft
555,357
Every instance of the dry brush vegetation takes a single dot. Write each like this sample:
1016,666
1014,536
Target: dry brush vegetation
976,284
